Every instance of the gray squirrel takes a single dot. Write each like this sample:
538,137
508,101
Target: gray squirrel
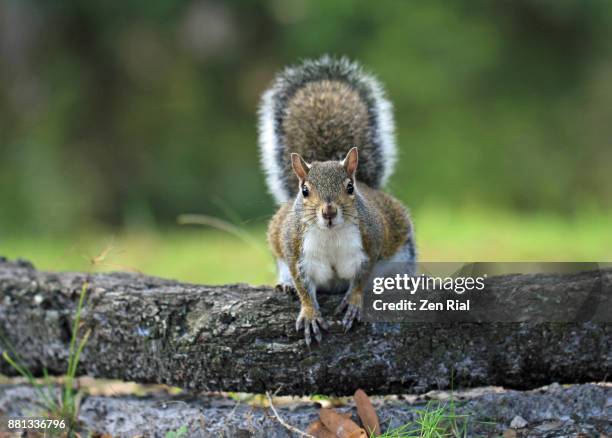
326,138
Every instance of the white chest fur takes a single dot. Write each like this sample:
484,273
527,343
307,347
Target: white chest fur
332,253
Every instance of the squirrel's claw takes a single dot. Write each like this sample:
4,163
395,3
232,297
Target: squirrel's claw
285,288
352,312
324,325
307,334
311,325
343,304
316,331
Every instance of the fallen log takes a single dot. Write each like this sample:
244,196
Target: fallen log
550,411
242,338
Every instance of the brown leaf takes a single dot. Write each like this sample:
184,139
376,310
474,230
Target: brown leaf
339,424
317,429
367,413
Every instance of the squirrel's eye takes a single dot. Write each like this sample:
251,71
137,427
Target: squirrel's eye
305,191
349,188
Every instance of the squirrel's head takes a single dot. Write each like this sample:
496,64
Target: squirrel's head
327,189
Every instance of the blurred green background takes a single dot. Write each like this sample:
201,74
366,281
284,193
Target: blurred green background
117,117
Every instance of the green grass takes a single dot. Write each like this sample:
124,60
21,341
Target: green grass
435,420
181,431
66,407
209,255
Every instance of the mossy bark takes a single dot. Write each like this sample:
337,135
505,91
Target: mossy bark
242,338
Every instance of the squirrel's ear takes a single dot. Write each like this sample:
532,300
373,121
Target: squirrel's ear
350,162
300,167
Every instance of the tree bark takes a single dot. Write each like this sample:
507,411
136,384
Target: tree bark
243,338
551,411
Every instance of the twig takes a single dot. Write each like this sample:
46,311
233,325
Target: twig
222,225
283,423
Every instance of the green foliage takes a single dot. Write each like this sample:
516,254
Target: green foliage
134,114
181,431
66,407
436,420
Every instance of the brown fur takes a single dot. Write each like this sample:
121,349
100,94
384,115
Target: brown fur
313,113
320,109
275,230
324,119
325,116
383,222
396,224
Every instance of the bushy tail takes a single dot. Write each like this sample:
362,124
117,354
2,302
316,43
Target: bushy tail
320,109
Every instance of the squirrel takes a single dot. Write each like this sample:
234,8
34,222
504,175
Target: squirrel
327,146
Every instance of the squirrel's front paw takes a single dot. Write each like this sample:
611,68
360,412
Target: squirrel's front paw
285,288
310,319
353,306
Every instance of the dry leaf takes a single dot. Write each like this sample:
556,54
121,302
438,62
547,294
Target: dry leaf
318,430
367,413
343,427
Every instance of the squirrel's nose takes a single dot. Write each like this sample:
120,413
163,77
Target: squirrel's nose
329,212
